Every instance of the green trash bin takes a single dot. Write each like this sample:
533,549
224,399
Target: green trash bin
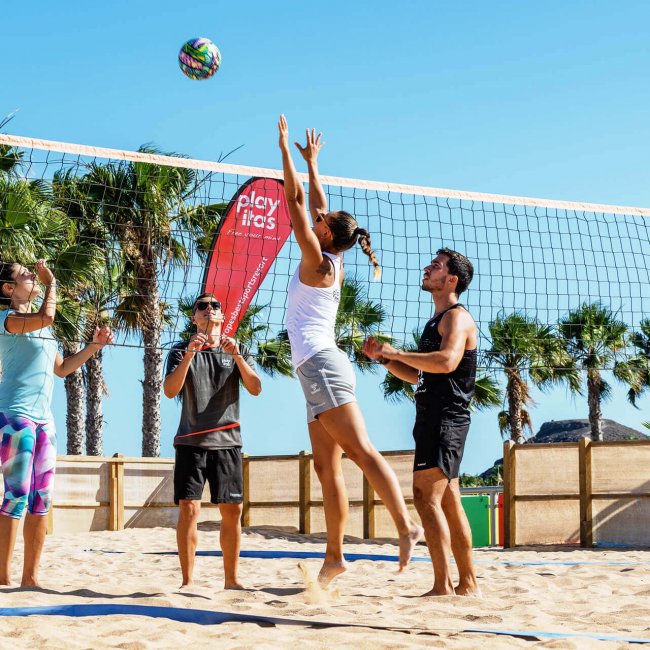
477,509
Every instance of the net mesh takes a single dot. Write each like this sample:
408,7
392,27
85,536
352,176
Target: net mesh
101,217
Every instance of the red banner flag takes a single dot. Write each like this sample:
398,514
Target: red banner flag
249,238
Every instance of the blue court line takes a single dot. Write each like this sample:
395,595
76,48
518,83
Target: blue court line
353,557
560,635
208,617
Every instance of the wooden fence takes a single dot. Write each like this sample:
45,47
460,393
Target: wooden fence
591,493
101,493
569,493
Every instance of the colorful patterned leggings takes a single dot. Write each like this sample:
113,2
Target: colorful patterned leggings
28,455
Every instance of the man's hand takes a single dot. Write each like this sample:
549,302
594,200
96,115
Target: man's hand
45,275
103,336
229,345
378,351
283,128
197,342
310,151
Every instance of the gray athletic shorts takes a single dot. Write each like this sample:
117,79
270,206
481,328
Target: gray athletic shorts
327,380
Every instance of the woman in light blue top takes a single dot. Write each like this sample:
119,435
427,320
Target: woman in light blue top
29,360
334,419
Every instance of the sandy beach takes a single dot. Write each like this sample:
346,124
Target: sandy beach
561,590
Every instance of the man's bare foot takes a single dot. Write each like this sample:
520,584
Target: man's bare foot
330,570
468,590
407,543
233,584
439,592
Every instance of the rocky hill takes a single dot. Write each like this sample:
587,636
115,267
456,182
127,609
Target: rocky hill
572,431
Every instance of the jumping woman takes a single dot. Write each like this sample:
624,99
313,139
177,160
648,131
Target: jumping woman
335,421
29,360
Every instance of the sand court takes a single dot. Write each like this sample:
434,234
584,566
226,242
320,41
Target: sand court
577,594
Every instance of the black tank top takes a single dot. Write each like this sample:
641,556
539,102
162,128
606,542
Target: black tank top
445,396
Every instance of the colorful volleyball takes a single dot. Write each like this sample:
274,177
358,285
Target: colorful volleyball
199,58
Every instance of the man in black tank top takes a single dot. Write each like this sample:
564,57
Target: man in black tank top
444,369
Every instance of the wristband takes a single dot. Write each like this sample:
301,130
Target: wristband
383,360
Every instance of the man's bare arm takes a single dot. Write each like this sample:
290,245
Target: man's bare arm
402,371
455,329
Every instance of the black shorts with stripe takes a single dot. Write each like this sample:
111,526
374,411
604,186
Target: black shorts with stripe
221,468
439,444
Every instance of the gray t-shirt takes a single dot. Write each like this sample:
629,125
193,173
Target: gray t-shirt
210,397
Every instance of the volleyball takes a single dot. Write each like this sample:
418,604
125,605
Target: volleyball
199,58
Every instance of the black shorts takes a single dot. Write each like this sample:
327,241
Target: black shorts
222,468
439,445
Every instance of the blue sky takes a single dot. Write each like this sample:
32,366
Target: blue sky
546,99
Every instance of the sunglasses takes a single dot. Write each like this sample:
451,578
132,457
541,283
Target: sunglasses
203,305
320,218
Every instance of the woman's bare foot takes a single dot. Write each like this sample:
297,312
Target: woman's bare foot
330,570
439,592
32,583
186,585
407,543
233,584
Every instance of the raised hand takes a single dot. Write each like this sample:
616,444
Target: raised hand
372,348
44,274
229,345
103,336
313,145
283,128
376,350
197,342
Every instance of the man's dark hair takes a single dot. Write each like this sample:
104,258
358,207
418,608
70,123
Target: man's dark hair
459,266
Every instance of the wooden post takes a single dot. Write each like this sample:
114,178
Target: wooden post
116,494
246,506
50,520
368,510
304,492
586,522
509,495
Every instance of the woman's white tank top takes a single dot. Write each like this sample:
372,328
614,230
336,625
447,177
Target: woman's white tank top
311,315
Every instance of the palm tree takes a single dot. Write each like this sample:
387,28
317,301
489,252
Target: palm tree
357,319
86,384
637,368
527,350
594,337
487,392
33,226
144,208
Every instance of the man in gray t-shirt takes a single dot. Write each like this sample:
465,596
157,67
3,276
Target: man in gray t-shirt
206,371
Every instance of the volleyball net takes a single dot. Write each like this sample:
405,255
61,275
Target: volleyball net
105,218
